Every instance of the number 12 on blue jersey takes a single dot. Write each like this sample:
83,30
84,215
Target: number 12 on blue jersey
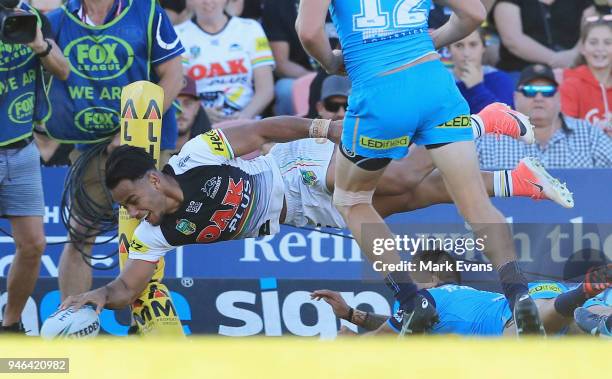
379,18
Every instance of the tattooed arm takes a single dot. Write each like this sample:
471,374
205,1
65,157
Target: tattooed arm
367,320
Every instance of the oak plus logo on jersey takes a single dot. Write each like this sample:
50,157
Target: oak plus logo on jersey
238,198
99,57
21,109
214,69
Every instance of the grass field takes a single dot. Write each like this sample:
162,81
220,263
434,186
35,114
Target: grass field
221,358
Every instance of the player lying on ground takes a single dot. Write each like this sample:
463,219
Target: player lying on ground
468,311
206,195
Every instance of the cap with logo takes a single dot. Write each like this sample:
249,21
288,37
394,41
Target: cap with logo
536,71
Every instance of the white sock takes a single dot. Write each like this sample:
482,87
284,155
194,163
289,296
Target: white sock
477,126
502,183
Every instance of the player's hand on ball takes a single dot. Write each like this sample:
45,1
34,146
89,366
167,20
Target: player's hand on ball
96,297
339,306
334,133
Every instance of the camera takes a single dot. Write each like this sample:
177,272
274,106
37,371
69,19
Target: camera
16,26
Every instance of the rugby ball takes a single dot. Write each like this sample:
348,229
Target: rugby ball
71,323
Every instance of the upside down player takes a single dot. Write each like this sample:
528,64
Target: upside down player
391,59
467,311
204,195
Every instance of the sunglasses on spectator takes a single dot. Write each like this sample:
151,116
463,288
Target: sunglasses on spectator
533,90
607,18
334,106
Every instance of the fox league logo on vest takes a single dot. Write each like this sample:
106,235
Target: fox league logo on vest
102,58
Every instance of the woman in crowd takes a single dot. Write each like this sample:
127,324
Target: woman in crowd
586,91
230,60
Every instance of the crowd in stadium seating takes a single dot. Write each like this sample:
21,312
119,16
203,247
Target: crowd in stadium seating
276,77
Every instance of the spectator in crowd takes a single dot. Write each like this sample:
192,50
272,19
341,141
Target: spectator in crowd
439,15
192,119
539,31
46,6
89,101
314,93
586,91
291,60
230,60
561,141
333,97
23,102
176,10
480,85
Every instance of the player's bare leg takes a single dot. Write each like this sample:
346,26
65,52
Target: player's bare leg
354,188
352,179
458,164
528,179
74,274
402,189
29,238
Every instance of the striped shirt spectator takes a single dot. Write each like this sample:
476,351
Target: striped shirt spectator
575,145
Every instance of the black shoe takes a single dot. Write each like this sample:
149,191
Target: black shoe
422,319
527,317
132,330
16,328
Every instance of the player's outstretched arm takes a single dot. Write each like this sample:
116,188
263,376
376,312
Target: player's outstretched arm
254,134
366,320
467,16
119,293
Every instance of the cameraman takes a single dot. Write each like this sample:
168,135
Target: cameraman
23,103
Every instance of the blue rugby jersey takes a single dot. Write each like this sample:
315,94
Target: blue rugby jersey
380,35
